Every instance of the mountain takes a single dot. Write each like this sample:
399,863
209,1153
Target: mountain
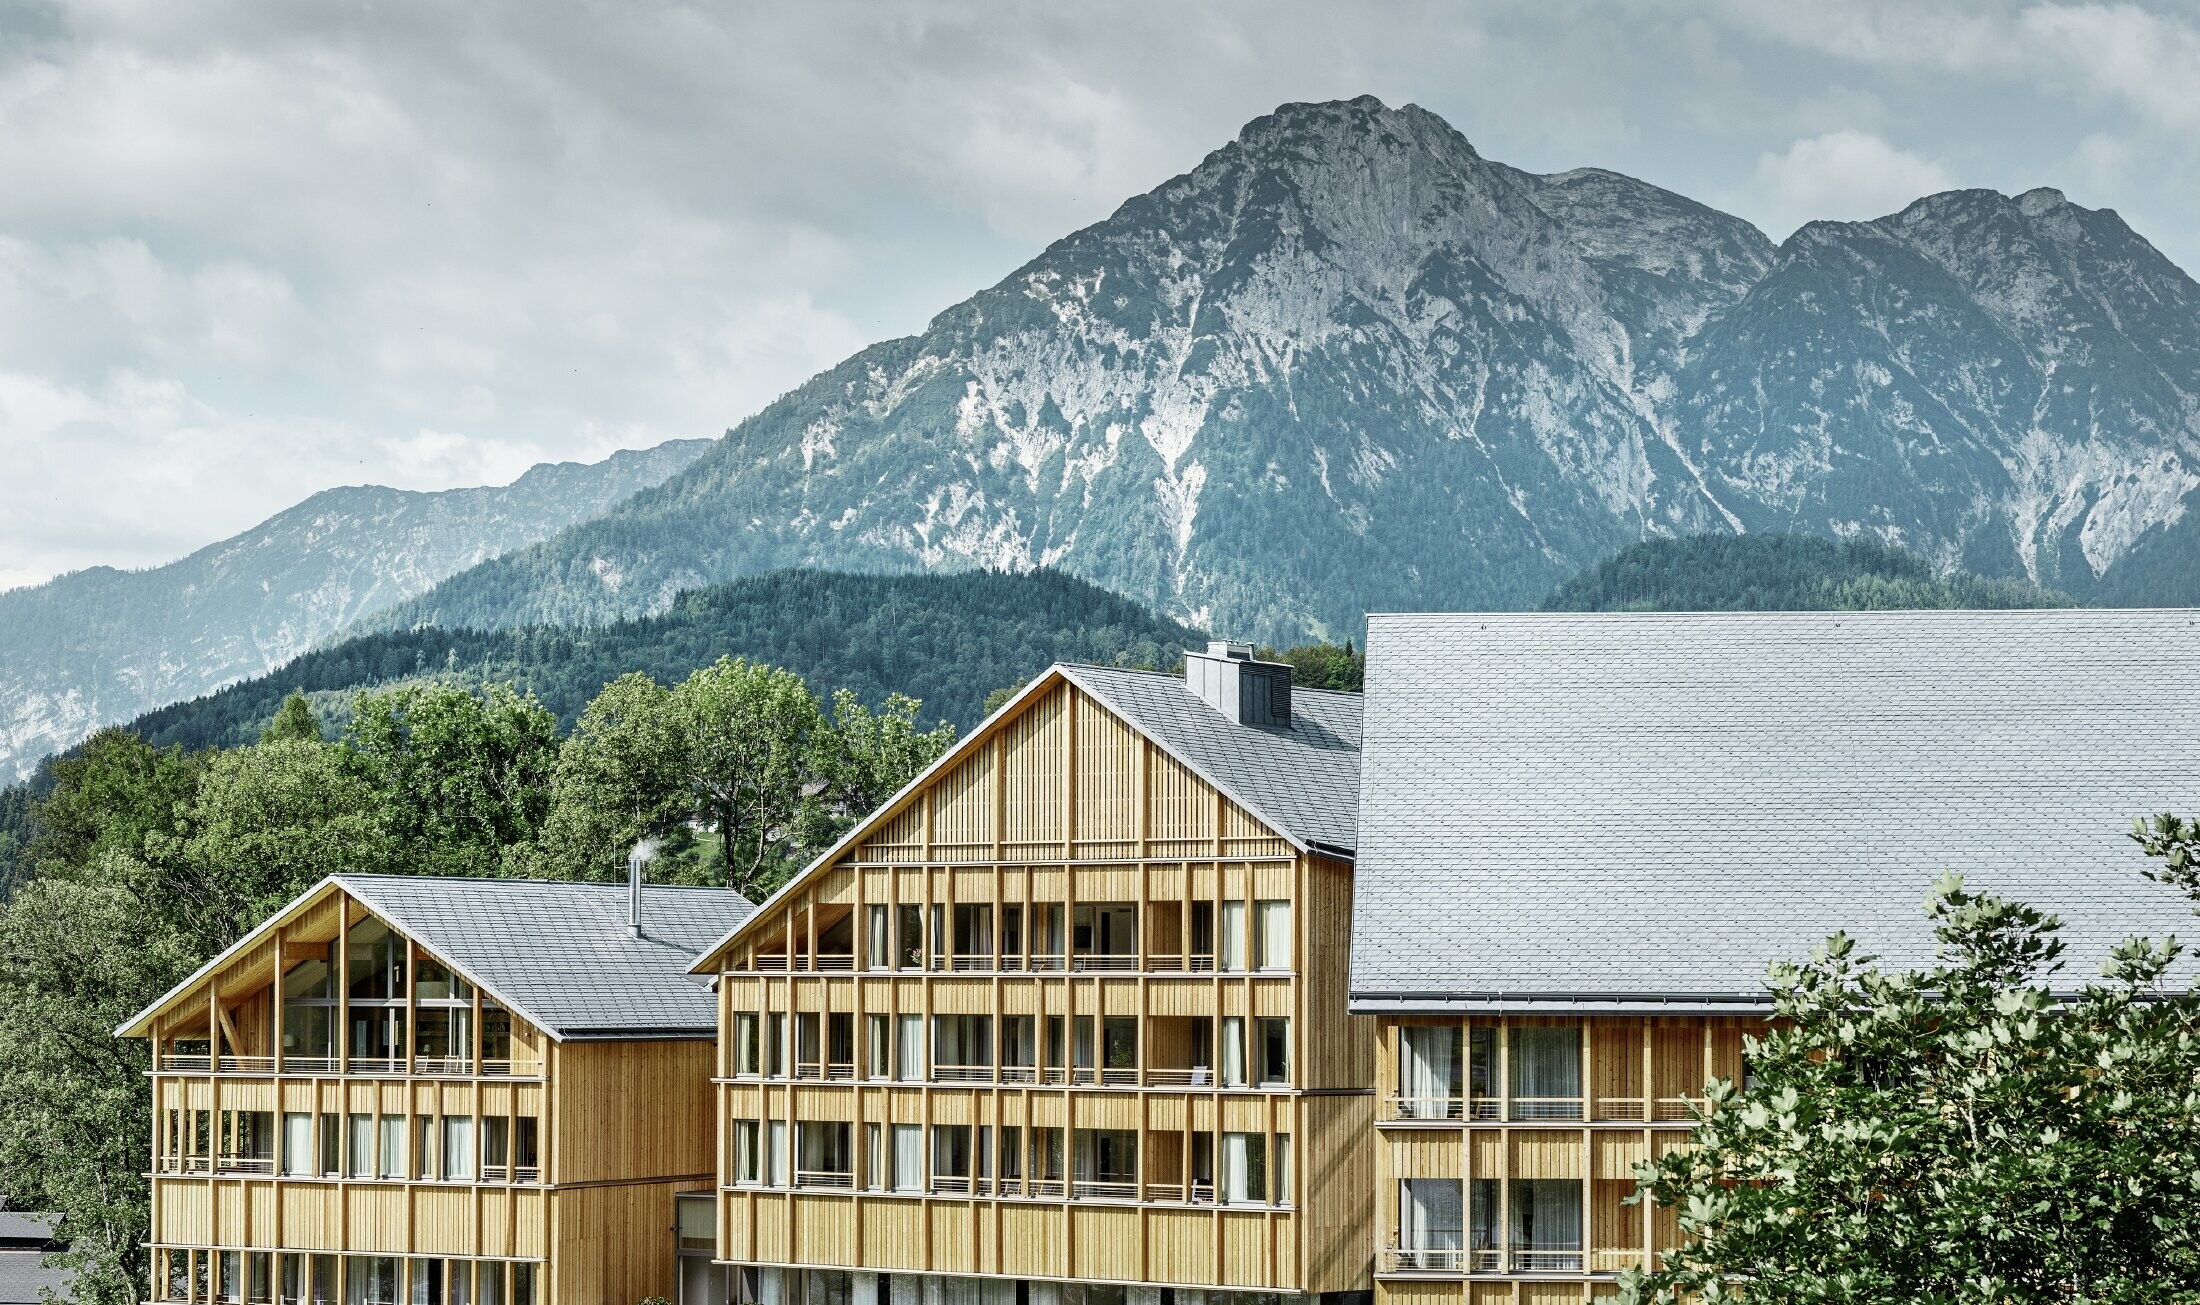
1348,364
946,639
102,645
1780,573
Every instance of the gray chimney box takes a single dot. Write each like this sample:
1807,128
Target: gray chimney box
1229,679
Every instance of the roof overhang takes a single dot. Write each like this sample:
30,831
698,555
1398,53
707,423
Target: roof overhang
1559,1003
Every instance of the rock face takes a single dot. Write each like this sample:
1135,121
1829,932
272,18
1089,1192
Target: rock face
98,646
1348,364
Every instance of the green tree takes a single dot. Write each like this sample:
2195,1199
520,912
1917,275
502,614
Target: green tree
864,758
80,953
619,778
1949,1135
1323,665
269,821
749,734
460,775
113,795
293,720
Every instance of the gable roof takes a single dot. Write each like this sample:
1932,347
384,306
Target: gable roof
1635,811
557,954
24,1279
1301,782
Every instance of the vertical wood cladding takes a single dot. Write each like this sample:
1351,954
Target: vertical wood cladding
1105,959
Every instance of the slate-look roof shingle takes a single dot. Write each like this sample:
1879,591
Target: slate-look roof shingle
23,1277
1304,781
561,953
1606,809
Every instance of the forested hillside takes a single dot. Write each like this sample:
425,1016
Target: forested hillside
947,640
1763,573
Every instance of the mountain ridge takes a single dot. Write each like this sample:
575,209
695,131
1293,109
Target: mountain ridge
103,644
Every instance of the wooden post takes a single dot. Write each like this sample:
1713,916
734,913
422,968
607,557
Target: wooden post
342,970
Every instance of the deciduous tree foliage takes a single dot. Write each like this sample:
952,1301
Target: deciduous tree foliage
1952,1135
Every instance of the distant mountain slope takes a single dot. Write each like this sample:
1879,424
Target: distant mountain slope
1346,363
948,640
101,645
1780,573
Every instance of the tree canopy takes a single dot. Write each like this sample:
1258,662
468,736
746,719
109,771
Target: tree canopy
1971,1132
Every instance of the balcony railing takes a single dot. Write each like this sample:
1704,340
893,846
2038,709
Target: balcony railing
1433,1108
376,1065
1019,1073
977,964
1531,1108
186,1064
1179,1194
248,1064
444,1066
962,1073
1175,963
1094,1189
1546,1261
829,1179
244,1164
1194,1076
1409,1259
1104,962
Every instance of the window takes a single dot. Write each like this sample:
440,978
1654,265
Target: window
426,1147
951,1157
824,1156
875,1167
298,1154
1106,1156
393,1146
362,1153
1119,1044
309,1011
909,1048
1273,1051
427,1282
809,1053
909,938
1244,1168
248,1141
1279,1166
332,1145
748,1152
1012,1154
1271,935
1012,932
1232,1069
878,1038
370,1280
775,1046
974,936
1482,1071
492,1284
878,938
1546,1224
526,1150
964,1042
907,1174
1106,930
309,1279
1232,957
840,1045
778,1160
745,1057
458,1148
1429,1217
1019,1051
496,1033
1428,1072
496,1147
1546,1072
523,1284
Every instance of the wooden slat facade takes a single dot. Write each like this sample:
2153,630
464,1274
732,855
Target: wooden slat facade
1058,807
619,1129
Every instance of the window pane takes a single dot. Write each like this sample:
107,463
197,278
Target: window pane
1233,937
1546,1073
1272,936
458,1148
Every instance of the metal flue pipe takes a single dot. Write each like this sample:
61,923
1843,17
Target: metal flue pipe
644,852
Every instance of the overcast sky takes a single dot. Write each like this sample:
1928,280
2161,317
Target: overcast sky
249,251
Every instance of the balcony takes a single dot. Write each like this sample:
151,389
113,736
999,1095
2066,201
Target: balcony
1481,1260
831,1180
827,1071
1406,1259
964,1073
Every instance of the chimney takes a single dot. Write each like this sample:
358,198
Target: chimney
644,852
1227,678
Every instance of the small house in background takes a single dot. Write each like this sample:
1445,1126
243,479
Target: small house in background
26,1240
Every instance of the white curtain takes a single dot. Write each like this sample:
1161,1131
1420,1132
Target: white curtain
1430,1210
908,1158
776,1153
1428,1071
298,1145
362,1147
1233,1051
458,1147
1273,943
1233,937
1244,1175
909,1058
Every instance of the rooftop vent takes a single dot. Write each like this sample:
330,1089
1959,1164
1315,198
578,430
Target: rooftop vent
1227,678
644,852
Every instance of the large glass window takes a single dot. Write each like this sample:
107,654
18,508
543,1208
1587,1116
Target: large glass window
1546,1224
878,939
392,1133
371,1280
748,1151
458,1148
377,962
962,1042
1274,1050
908,1159
909,1048
443,1038
1429,1072
909,938
747,1058
974,937
1244,1168
825,1155
1233,1051
362,1150
1545,1072
1430,1219
1482,1086
309,1012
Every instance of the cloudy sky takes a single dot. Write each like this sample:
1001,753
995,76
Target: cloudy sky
250,250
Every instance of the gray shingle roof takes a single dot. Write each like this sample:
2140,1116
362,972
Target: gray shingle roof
21,1227
1303,781
1608,809
560,953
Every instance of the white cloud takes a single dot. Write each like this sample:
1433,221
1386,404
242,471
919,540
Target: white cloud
1844,175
